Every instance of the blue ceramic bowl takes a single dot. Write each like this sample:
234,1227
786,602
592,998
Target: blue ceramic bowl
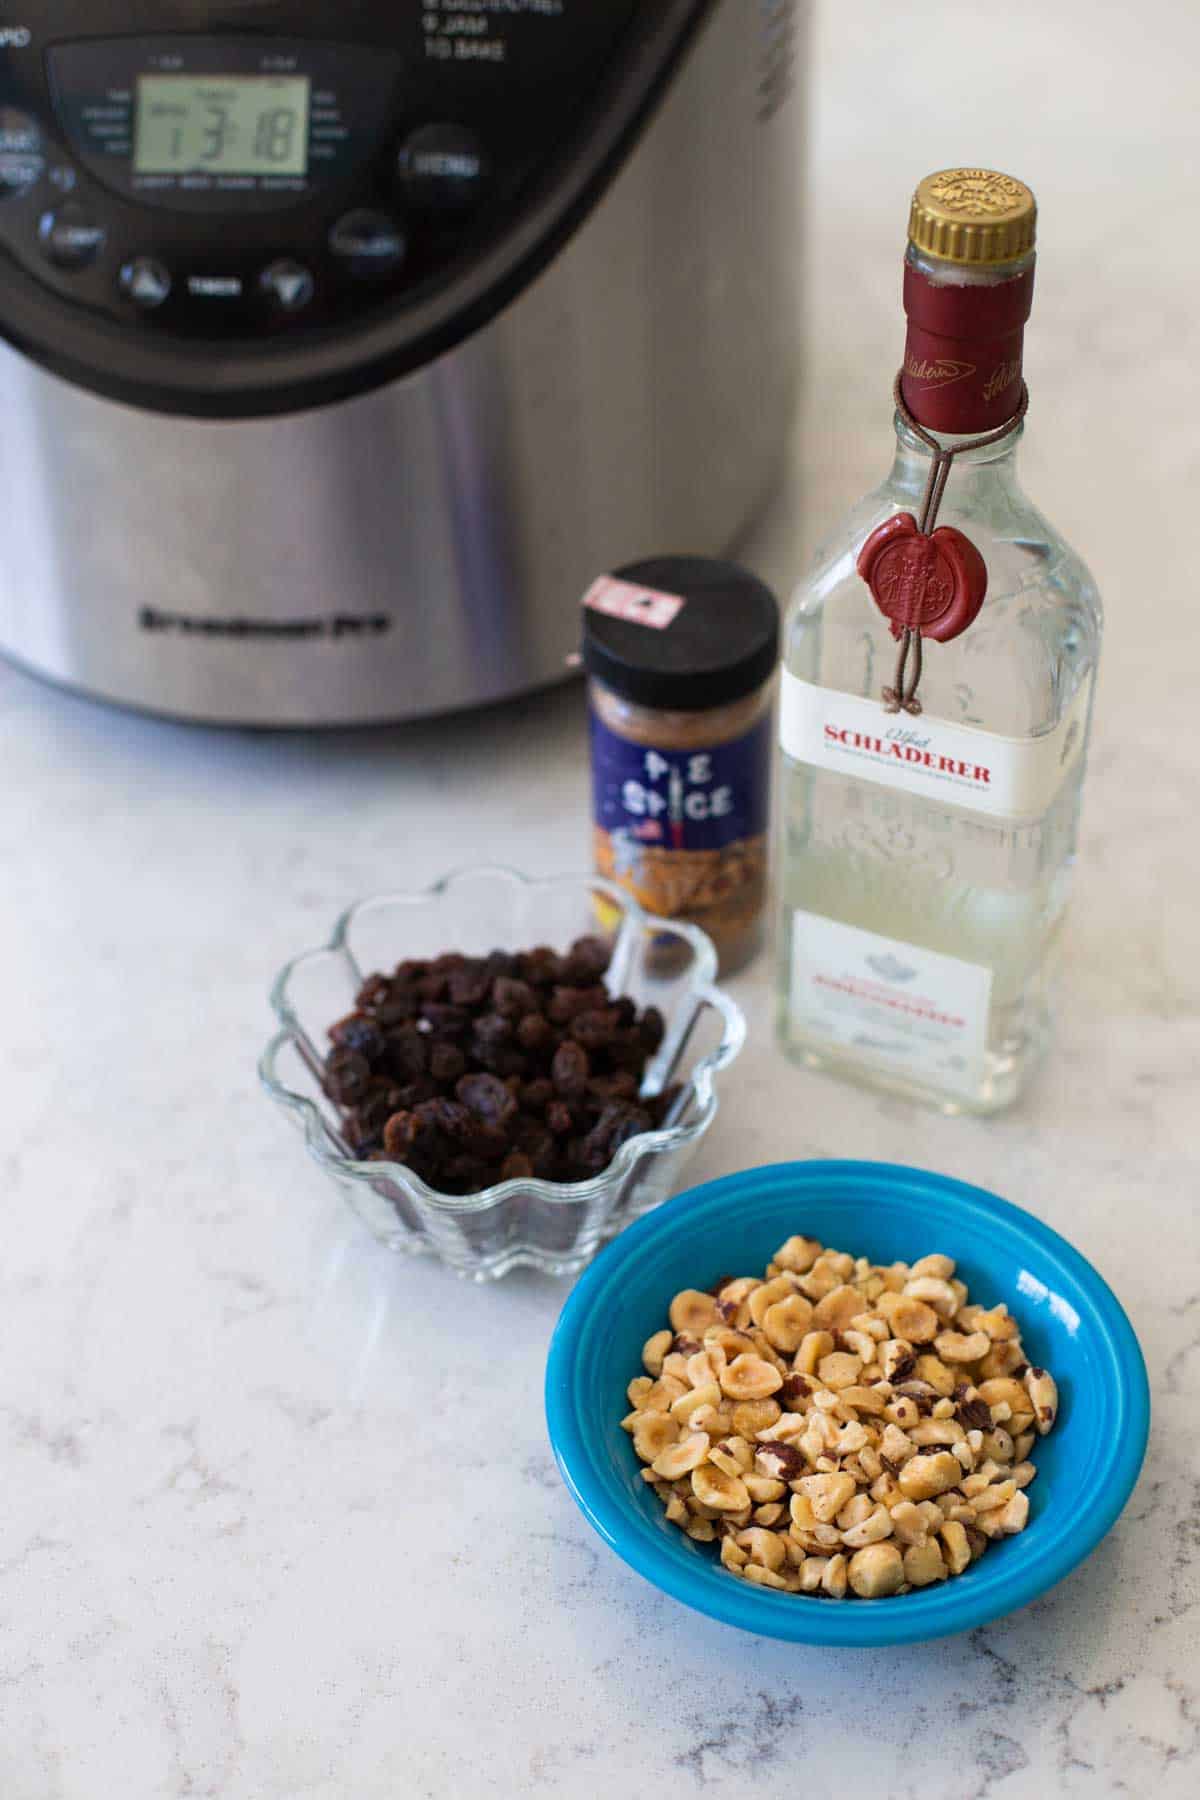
1070,1322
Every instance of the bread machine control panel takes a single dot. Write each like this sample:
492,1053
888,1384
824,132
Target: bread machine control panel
247,183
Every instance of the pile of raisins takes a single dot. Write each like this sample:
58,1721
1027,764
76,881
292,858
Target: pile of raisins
475,1070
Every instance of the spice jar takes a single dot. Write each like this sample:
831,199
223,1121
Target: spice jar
681,653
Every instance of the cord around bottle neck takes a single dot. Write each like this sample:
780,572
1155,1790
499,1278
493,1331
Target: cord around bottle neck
943,454
954,594
916,451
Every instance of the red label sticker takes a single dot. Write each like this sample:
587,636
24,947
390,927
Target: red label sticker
638,605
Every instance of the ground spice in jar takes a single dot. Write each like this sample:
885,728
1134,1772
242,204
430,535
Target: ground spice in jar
681,655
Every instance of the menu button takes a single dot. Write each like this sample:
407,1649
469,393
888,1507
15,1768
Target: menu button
442,169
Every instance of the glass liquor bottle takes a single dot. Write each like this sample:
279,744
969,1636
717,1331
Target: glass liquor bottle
929,833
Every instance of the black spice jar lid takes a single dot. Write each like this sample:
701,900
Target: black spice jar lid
721,645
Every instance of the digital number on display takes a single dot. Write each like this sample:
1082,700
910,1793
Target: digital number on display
229,125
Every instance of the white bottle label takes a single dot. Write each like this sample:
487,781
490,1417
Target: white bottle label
923,1014
959,765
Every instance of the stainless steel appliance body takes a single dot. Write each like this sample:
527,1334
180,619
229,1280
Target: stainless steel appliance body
333,475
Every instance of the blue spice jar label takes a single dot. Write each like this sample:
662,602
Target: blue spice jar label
683,829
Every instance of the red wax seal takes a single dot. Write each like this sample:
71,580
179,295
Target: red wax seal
933,585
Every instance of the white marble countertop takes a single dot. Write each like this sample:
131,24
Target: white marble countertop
279,1517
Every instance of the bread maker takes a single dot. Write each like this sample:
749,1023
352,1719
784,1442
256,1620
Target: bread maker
340,345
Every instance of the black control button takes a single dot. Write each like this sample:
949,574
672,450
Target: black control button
146,282
368,243
289,285
442,169
22,155
71,238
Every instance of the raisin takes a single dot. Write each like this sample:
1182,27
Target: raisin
515,1165
559,1118
411,1093
570,1070
446,1062
404,1004
375,991
652,1029
535,1032
513,999
503,1060
405,1053
360,1137
541,966
539,1146
446,1021
536,1095
409,972
595,1030
587,960
448,1117
621,1086
469,986
347,1076
616,1125
491,1030
565,1002
490,1143
376,1107
358,1033
626,1052
400,1134
488,1097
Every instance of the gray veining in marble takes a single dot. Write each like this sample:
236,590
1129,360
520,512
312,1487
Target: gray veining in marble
278,1517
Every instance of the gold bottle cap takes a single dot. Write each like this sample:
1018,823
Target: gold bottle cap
973,216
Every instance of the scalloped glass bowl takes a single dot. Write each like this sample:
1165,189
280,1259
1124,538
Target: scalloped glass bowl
556,1227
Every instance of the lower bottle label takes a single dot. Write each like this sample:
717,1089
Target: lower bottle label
921,1014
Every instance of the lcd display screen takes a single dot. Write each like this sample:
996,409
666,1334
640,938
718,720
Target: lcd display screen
222,125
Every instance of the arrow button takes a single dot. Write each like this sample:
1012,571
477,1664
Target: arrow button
289,284
146,282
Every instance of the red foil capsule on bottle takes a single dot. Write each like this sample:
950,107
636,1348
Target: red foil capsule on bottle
962,359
